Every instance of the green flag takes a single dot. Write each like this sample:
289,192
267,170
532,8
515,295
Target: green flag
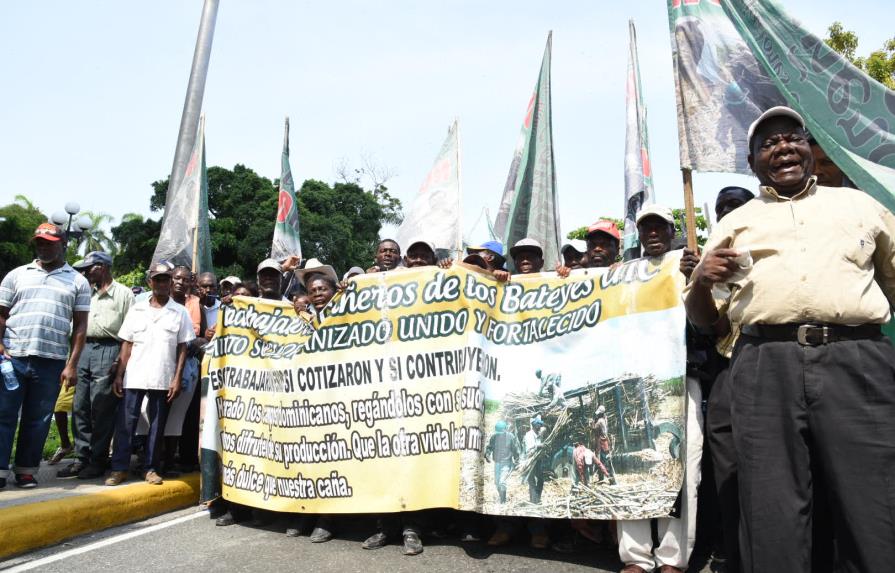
184,238
529,206
851,115
735,59
286,230
638,170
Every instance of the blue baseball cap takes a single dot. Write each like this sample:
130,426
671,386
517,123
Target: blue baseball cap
495,247
96,258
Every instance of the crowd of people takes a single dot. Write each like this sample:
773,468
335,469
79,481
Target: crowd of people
789,378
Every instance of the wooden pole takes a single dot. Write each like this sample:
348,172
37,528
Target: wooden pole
690,210
195,263
459,245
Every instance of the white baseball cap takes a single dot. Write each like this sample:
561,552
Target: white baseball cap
270,264
525,243
231,280
654,210
429,244
576,245
777,111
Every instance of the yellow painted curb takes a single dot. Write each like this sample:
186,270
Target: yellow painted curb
32,525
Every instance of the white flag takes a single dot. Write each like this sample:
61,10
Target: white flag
434,215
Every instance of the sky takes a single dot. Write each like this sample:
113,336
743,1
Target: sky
93,94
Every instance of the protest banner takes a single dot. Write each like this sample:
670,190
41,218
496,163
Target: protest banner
419,388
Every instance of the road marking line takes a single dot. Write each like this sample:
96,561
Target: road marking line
103,543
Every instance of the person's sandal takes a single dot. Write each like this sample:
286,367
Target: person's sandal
412,544
375,541
70,471
116,478
60,455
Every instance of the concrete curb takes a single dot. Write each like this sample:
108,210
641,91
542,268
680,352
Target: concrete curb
30,526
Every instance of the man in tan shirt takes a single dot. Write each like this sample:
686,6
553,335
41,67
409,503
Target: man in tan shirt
810,276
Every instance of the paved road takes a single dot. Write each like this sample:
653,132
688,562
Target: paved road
177,542
189,541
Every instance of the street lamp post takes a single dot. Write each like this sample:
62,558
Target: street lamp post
73,228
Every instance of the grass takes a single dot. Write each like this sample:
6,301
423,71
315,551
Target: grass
50,445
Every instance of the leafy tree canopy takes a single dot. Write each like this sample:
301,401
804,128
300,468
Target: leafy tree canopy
136,238
879,65
339,224
19,219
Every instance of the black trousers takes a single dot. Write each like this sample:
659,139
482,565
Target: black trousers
719,435
95,403
806,417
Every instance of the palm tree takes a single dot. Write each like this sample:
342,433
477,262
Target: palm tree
23,201
95,238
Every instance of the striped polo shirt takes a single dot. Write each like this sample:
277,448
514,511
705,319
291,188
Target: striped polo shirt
40,307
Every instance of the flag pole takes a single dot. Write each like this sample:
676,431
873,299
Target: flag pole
690,211
459,190
192,105
195,249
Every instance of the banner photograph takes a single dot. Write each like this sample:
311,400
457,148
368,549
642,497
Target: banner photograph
427,388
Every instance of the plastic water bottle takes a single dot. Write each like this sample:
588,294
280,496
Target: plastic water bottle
9,374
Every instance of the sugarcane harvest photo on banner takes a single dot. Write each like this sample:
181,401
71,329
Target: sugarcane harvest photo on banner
445,388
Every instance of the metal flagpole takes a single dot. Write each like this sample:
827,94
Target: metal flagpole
192,105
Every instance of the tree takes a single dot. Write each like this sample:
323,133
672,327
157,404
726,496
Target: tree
375,176
136,238
242,205
17,223
879,65
339,224
95,238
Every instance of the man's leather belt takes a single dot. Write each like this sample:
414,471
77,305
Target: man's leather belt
101,339
812,334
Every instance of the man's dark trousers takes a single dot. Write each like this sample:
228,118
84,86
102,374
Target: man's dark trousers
724,464
799,410
95,405
126,425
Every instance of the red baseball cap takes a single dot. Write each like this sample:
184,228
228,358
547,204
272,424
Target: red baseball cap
605,226
49,232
